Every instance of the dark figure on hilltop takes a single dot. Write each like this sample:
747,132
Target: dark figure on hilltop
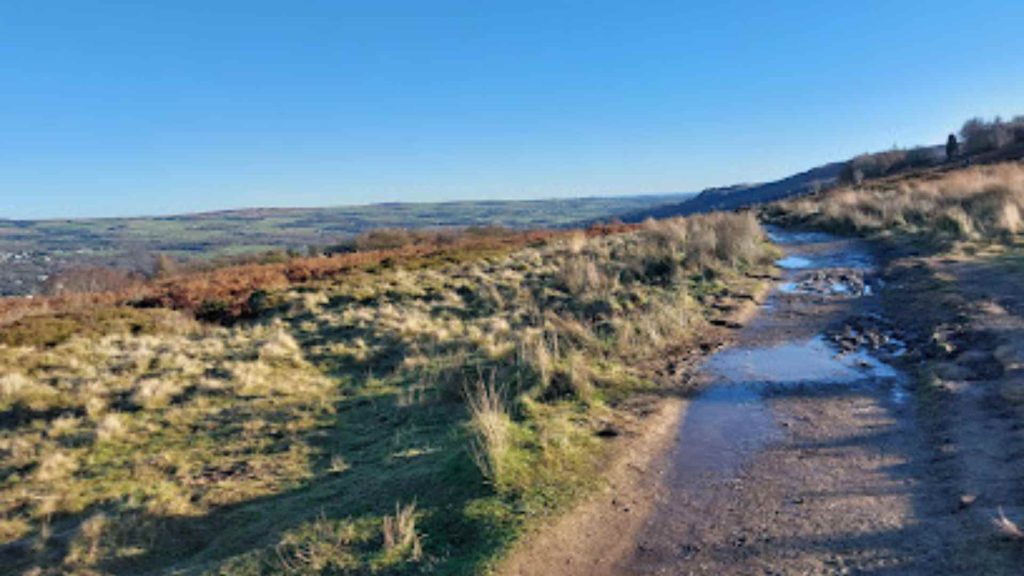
952,147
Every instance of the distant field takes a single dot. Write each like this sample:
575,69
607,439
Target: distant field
31,251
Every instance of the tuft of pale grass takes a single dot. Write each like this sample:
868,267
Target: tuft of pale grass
400,536
280,348
154,393
576,242
489,425
583,276
55,466
338,464
87,546
581,378
110,427
16,388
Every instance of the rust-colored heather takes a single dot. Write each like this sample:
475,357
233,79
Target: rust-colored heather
231,287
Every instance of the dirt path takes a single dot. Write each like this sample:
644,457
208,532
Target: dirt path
795,459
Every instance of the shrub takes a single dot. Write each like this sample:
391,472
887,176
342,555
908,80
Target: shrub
981,136
878,165
90,280
214,311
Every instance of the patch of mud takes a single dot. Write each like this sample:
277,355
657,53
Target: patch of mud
869,332
830,282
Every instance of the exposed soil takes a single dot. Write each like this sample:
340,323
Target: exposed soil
812,450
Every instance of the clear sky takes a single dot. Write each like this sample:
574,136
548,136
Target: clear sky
118,107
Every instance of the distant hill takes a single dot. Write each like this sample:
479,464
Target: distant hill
738,196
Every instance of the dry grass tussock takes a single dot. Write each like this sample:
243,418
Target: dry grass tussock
489,423
979,203
400,536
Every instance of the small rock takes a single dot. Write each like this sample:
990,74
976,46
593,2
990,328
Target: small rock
966,501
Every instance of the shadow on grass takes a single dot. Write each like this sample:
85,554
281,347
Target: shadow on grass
377,449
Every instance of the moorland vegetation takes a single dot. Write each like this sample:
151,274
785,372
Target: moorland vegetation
405,410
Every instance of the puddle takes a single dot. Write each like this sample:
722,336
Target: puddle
834,288
723,427
812,360
793,263
837,257
730,421
898,394
784,237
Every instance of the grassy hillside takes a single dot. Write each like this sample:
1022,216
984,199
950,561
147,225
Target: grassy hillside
744,195
411,413
940,209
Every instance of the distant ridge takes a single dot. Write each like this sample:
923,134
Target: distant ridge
740,195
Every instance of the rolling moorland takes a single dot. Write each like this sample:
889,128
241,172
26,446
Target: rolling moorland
420,408
411,414
34,251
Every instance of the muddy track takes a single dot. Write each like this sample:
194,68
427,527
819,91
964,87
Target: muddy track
806,452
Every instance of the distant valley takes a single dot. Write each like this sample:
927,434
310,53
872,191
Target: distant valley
32,251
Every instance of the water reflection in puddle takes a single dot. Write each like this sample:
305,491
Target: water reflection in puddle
787,237
723,426
812,360
730,421
833,288
793,263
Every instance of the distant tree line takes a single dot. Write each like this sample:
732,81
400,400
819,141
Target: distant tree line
977,136
980,136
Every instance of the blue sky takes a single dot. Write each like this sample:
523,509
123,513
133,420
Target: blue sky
122,108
